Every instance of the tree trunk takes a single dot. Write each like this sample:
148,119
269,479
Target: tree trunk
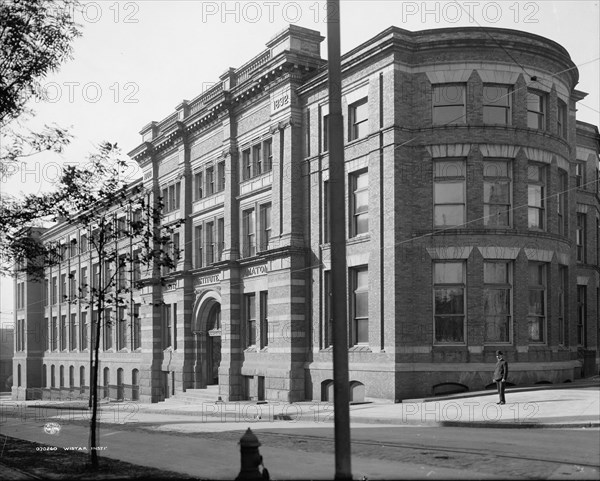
94,390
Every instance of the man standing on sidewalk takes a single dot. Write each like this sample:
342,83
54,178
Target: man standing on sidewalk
500,375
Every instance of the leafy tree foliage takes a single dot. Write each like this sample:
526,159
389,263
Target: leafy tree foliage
96,200
36,37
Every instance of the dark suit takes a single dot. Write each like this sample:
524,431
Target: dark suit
500,375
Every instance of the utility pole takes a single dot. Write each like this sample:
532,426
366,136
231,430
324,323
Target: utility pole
337,223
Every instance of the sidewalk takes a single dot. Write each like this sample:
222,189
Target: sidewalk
570,405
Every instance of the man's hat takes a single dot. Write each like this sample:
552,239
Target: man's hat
498,353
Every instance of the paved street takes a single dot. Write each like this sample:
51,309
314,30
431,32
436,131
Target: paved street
305,449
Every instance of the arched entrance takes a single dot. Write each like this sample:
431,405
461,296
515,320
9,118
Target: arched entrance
207,339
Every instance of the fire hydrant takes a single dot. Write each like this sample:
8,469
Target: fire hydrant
251,458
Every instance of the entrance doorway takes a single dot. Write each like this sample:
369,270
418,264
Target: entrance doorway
213,354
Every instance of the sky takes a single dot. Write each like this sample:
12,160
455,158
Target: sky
138,59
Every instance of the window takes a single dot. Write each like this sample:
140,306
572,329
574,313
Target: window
47,334
449,193
561,120
83,331
198,242
210,242
327,330
536,192
210,181
108,330
325,133
198,186
137,266
221,176
581,315
83,281
94,331
63,287
220,237
326,214
121,225
497,301
54,290
174,326
121,329
268,154
136,222
359,278
536,318
166,326
20,295
96,276
257,160
449,302
20,335
580,175
581,237
46,291
171,255
62,376
449,104
83,244
108,273
496,104
360,203
264,319
497,193
561,206
63,333
536,110
248,232
265,226
562,302
246,165
54,333
136,338
73,247
171,197
358,113
250,306
73,285
73,332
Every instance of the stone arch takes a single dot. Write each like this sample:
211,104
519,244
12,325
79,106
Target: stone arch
204,302
207,345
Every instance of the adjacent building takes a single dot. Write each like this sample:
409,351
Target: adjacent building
472,224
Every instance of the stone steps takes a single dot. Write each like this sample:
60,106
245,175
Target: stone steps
195,396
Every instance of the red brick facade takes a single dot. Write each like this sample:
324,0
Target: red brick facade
420,151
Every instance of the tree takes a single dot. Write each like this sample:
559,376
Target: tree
94,199
36,37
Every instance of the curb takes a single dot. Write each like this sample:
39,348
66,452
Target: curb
476,424
491,392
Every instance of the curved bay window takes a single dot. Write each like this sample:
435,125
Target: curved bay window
497,301
496,193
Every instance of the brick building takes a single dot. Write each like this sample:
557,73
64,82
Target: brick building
472,223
